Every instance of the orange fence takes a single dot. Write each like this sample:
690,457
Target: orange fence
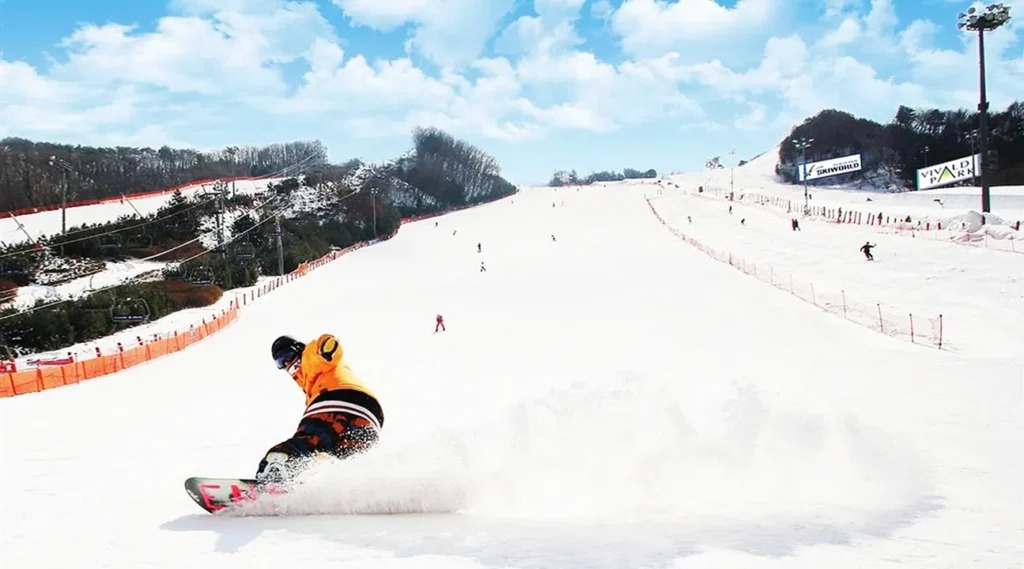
31,381
887,320
47,377
834,214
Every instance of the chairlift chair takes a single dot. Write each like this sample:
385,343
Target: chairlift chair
110,241
201,276
129,310
143,241
245,251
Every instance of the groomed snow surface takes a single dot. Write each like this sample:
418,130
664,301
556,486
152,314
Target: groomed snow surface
612,399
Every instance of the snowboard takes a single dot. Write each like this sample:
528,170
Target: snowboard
216,494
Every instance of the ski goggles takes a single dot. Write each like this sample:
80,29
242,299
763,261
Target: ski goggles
287,357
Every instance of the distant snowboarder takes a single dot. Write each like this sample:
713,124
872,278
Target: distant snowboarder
866,249
440,324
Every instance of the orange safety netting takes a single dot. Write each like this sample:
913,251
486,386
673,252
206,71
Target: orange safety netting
48,377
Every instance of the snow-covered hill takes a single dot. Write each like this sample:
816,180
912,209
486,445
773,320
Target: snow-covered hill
956,210
609,398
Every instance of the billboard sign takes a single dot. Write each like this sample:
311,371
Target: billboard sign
948,172
831,167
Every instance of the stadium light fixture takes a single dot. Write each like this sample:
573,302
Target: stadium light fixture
801,145
991,18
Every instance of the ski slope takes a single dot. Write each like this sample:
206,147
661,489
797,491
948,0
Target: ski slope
613,399
13,230
948,205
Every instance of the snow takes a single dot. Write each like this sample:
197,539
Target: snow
955,209
49,222
613,399
112,275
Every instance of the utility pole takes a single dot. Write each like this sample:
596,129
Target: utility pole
64,169
220,227
732,174
280,248
373,206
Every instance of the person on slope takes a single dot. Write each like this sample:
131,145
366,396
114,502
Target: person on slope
866,249
342,416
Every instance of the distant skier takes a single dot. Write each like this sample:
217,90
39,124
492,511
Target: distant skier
342,416
483,269
730,210
454,231
553,237
866,249
440,324
478,249
795,223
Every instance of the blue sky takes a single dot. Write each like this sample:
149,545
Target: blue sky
539,84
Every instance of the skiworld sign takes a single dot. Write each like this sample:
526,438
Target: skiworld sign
948,172
832,167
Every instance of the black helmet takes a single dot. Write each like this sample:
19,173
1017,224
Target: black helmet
286,350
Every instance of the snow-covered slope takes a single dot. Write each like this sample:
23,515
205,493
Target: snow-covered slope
954,209
18,230
614,398
13,230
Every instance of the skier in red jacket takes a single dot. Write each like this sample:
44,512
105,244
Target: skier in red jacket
440,324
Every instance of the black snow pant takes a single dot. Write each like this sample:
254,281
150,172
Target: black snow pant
338,423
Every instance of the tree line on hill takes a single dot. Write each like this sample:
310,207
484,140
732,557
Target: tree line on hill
439,172
38,173
913,139
571,178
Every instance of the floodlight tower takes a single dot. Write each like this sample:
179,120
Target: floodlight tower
994,16
801,145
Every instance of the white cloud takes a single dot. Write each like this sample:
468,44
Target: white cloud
651,27
451,34
847,33
214,63
602,10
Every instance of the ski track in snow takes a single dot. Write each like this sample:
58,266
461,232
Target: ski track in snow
613,399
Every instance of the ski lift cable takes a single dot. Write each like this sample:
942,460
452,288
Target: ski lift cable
136,226
122,283
113,231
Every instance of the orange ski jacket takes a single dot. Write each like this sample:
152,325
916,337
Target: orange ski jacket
322,369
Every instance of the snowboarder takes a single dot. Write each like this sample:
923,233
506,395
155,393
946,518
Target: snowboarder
342,416
440,324
866,249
